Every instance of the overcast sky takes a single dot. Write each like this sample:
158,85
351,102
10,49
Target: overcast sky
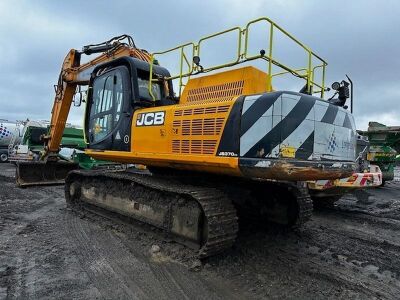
359,38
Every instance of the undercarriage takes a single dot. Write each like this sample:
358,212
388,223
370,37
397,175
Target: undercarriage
197,212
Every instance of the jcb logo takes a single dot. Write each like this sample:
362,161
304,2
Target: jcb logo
151,118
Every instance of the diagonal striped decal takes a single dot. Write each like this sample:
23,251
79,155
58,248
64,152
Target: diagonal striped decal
306,149
305,129
340,116
330,114
283,129
256,132
249,101
255,111
347,122
297,136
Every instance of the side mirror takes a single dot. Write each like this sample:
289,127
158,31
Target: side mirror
77,99
84,95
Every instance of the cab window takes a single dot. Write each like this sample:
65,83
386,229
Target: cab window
143,83
106,106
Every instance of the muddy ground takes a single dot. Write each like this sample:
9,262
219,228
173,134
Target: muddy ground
48,251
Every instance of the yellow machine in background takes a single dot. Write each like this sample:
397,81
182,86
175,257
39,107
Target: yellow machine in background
227,143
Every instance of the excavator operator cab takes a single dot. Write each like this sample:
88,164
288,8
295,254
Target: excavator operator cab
116,90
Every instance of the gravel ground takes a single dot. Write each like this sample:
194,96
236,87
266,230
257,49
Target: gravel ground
48,251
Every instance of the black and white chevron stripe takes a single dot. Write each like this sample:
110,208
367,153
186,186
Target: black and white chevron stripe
285,118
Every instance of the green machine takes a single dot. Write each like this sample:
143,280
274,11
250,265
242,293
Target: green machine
72,138
385,147
72,146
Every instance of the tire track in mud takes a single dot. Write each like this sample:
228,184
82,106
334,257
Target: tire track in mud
34,250
364,239
173,276
119,270
107,274
336,255
359,251
351,252
18,223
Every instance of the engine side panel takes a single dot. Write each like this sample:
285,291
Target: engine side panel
184,136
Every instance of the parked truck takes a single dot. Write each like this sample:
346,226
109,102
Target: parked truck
9,131
367,175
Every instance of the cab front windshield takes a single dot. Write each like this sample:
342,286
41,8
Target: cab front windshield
106,107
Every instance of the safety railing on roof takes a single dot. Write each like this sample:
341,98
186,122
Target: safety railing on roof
187,66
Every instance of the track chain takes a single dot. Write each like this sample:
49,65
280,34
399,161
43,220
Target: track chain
304,202
219,212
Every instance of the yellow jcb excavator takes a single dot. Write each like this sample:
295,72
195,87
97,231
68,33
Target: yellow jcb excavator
228,143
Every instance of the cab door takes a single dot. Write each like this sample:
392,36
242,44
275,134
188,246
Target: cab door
109,111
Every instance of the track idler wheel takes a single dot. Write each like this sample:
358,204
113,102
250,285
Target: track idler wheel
72,191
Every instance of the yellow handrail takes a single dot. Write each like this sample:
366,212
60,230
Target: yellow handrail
181,74
218,34
243,55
